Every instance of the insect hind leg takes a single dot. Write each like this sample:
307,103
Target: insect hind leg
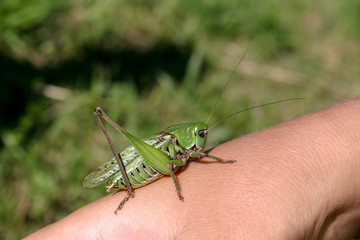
99,113
129,194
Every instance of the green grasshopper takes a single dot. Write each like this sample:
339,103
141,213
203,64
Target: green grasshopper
147,160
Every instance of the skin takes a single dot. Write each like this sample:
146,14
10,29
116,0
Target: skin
296,180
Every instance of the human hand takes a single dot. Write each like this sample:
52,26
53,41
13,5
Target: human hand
296,180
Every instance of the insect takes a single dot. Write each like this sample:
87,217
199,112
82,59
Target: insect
149,159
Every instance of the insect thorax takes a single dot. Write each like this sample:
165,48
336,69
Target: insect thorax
187,135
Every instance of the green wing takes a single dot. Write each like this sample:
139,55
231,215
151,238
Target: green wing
156,158
101,174
107,170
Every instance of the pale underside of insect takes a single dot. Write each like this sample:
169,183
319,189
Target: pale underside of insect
147,160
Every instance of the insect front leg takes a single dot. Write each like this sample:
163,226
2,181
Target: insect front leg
201,154
99,113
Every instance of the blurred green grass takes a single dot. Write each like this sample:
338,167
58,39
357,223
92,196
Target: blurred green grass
150,65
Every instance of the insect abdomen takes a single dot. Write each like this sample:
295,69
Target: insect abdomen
138,170
139,173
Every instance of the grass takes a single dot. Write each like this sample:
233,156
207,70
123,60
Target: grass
150,65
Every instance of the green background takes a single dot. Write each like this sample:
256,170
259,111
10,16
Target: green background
151,64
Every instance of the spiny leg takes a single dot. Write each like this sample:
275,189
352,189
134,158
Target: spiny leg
169,165
98,112
219,159
129,194
201,154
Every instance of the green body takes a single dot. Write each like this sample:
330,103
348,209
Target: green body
153,157
149,159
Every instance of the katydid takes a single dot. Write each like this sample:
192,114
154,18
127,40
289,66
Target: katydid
147,160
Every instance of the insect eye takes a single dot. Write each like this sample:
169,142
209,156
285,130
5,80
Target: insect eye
202,133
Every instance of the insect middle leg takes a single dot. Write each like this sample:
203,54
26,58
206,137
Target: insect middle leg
169,165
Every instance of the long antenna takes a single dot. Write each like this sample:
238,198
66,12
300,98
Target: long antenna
262,105
222,91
